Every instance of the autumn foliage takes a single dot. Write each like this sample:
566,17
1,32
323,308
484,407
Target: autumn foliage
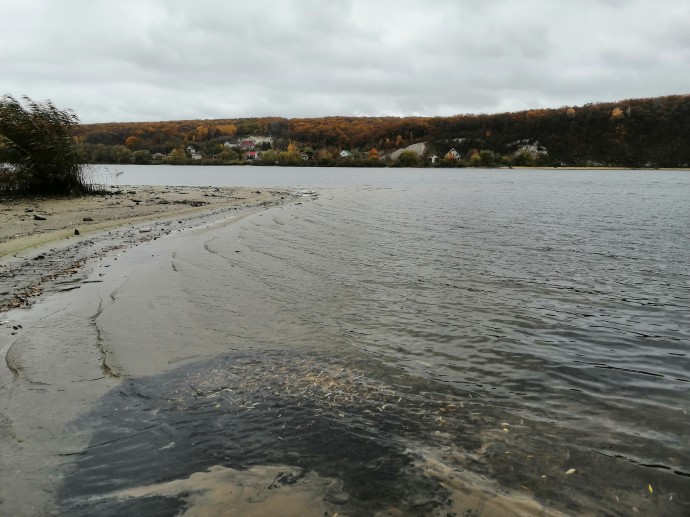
635,133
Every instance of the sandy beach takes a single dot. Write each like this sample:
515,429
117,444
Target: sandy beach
22,226
43,239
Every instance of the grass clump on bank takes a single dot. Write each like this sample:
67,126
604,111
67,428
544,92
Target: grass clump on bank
37,152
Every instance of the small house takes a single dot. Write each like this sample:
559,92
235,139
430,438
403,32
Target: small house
452,155
345,154
251,155
247,145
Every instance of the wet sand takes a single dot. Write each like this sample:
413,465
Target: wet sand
48,238
54,365
20,229
256,492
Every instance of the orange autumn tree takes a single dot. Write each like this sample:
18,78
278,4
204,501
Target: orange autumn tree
226,129
616,112
201,133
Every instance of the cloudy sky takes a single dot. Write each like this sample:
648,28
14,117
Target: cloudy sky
141,60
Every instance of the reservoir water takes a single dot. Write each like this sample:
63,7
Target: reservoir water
483,342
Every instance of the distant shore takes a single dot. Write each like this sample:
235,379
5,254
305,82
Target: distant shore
602,168
380,164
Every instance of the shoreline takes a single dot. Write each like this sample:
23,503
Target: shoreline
57,362
242,347
36,253
21,230
308,165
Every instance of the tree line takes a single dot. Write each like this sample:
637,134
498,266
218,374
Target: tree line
631,133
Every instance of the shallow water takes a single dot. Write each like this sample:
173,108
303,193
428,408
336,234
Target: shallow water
455,342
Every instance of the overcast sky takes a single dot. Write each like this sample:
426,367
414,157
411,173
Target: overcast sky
152,60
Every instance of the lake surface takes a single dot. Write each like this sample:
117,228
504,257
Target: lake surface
263,176
480,341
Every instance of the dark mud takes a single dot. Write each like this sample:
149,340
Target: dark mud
388,444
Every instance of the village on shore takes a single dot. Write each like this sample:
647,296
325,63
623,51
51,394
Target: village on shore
259,150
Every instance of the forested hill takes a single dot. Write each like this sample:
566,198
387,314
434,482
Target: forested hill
632,133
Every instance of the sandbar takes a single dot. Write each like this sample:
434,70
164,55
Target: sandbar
43,238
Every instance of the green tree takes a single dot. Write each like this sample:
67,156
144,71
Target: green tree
142,157
524,159
178,156
290,158
103,154
228,155
123,155
487,158
36,143
269,157
408,159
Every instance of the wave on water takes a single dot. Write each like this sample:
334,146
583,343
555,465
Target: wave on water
495,344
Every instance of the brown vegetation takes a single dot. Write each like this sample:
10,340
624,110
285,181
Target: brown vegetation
631,133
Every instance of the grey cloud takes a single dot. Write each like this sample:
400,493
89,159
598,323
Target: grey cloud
158,60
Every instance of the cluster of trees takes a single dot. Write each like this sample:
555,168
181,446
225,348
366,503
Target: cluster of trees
632,133
297,156
37,152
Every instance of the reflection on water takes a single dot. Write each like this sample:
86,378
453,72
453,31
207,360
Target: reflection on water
495,343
